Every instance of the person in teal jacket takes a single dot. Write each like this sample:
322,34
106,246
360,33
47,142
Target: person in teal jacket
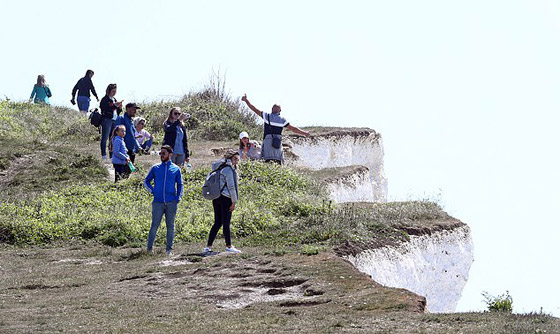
41,91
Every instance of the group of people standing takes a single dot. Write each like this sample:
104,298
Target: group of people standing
168,183
164,180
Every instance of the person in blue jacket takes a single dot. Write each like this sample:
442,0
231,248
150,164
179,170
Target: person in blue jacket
41,91
127,119
120,158
167,191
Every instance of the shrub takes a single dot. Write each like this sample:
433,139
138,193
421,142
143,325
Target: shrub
501,303
215,114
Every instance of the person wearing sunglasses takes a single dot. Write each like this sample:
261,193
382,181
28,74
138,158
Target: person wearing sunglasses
176,136
144,137
167,190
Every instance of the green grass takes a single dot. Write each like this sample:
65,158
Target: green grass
44,148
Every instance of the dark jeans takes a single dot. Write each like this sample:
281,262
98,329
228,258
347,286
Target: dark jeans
222,217
131,155
107,126
121,172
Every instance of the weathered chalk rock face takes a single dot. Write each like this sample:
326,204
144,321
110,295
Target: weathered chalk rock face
435,266
356,187
339,148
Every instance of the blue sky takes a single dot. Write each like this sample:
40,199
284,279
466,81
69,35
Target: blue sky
465,95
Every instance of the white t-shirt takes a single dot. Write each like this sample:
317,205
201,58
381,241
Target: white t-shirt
142,135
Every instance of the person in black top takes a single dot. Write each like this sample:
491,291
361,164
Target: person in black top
109,106
176,136
83,87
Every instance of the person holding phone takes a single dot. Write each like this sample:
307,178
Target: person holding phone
176,136
109,108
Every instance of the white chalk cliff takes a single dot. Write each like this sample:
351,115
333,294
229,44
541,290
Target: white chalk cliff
434,263
341,148
356,187
435,266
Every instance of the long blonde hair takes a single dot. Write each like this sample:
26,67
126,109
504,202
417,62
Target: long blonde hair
41,82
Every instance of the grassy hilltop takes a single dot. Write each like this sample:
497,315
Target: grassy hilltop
71,241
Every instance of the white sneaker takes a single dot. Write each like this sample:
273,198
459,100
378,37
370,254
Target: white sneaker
207,250
232,249
169,253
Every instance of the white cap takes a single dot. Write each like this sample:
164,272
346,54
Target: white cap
243,135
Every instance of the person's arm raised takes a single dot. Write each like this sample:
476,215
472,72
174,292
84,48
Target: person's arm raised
298,130
252,107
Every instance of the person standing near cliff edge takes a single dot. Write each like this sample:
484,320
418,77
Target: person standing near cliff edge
271,150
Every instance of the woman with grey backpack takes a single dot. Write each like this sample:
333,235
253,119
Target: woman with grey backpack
224,205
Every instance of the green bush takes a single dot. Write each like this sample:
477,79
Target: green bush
118,214
215,114
501,303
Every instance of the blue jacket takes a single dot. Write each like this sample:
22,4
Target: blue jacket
119,151
166,176
131,142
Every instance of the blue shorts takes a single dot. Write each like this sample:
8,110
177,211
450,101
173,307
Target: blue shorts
83,103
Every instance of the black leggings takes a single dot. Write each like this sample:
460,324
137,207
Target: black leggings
222,217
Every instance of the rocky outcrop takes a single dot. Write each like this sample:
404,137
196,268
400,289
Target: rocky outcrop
434,263
342,147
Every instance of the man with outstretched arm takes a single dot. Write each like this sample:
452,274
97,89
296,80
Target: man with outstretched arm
167,191
273,125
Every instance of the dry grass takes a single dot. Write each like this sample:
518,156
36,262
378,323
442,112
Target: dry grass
88,288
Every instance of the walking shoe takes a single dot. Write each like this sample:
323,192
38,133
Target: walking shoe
169,253
232,249
150,251
207,250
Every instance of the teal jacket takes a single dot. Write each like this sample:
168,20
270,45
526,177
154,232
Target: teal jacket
41,94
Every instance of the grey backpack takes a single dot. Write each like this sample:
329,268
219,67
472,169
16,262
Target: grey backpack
211,188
